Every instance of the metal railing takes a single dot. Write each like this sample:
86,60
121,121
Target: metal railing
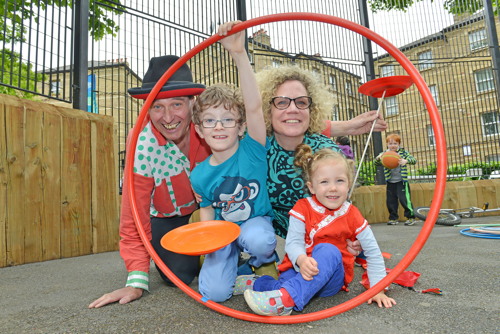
41,58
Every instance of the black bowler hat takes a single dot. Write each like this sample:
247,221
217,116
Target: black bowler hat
179,84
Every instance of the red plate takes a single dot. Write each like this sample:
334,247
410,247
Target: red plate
392,85
200,238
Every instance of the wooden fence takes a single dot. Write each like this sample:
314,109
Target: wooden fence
459,194
58,182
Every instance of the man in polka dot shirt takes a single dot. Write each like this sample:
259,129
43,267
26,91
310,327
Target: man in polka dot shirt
167,150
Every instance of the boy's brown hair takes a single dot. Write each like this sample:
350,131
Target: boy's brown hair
395,137
217,95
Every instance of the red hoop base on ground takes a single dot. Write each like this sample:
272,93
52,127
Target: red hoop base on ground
426,228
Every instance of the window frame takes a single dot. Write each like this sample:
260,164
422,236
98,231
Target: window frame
431,138
434,93
425,63
481,42
387,73
495,122
489,80
390,106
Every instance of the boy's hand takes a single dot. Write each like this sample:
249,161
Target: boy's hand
235,42
308,267
382,300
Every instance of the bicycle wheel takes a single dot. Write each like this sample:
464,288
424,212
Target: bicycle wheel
444,218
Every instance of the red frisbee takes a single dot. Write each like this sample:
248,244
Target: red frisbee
200,238
392,85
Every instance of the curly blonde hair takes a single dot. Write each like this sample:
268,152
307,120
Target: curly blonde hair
217,95
308,161
269,81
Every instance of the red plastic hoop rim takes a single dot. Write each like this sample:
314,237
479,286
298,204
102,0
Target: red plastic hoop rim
436,200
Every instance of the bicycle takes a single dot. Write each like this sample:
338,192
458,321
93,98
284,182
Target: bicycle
450,217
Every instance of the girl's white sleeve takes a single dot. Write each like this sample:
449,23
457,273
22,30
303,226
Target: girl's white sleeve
295,240
374,260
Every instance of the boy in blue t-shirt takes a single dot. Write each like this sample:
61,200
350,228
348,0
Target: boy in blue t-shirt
232,181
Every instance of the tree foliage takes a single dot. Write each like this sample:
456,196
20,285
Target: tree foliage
17,74
452,6
16,17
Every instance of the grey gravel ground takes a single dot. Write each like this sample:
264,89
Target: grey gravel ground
52,297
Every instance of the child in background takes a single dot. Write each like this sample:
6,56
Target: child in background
398,188
317,262
232,181
345,145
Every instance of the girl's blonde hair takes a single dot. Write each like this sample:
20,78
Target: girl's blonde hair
308,161
321,108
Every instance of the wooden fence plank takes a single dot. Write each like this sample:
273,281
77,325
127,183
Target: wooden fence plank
104,187
33,184
16,192
3,186
76,232
51,178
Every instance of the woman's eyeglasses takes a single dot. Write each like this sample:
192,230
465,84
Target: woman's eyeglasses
283,102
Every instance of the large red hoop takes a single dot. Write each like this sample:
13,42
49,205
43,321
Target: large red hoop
426,228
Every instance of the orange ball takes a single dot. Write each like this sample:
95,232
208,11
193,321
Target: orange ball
390,159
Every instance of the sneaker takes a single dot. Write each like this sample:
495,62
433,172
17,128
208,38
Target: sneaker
243,283
392,222
410,222
259,302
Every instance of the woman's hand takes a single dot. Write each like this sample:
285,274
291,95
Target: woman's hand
358,125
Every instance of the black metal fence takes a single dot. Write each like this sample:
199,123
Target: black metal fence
42,58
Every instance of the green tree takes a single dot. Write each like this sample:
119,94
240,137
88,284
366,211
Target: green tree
14,15
452,6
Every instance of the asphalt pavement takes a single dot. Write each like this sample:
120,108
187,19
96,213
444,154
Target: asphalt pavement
52,296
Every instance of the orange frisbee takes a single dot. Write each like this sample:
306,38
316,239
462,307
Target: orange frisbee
392,85
200,238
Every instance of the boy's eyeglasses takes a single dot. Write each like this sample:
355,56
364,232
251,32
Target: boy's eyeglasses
283,102
226,122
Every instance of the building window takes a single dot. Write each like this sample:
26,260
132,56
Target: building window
431,140
478,39
335,113
251,58
348,87
391,106
491,123
425,60
362,98
484,80
387,70
332,81
277,63
434,93
350,113
55,87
